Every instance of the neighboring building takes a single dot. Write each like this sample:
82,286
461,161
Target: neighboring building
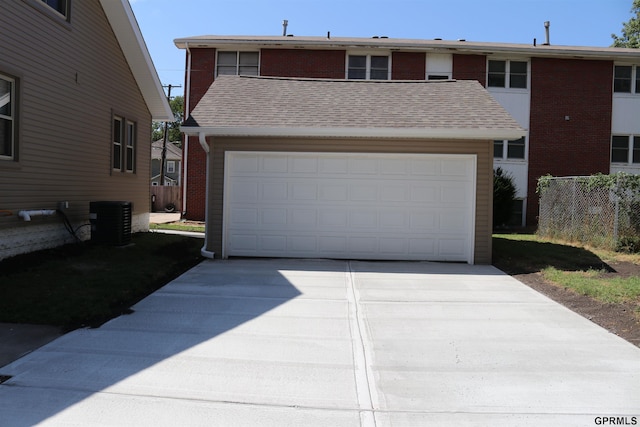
78,92
173,162
578,105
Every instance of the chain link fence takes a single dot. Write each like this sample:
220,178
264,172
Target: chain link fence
574,210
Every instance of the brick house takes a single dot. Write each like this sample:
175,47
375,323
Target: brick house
579,105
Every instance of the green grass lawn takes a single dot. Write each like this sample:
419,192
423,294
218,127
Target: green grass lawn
85,284
583,270
178,227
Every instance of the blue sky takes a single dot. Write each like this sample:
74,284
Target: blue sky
573,22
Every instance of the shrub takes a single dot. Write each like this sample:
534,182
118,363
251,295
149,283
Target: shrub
504,193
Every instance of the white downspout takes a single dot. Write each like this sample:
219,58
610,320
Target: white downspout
204,252
185,156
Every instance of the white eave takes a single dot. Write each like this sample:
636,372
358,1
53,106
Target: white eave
126,29
436,45
354,132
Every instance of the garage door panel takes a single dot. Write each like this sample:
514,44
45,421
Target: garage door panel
370,206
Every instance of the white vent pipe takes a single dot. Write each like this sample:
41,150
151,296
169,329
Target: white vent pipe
26,215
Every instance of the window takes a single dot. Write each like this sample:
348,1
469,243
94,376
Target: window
507,74
118,137
237,63
625,149
123,154
368,67
7,117
622,78
437,77
514,149
171,166
517,213
626,79
130,152
60,6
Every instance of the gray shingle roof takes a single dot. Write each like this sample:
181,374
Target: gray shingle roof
239,105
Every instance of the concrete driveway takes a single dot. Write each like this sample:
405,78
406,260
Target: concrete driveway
331,343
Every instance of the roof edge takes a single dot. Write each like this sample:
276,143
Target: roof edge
126,29
450,46
354,132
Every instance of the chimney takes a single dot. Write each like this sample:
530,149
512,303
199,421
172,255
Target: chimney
547,24
284,27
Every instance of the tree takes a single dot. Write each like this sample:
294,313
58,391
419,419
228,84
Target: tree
504,193
177,106
630,30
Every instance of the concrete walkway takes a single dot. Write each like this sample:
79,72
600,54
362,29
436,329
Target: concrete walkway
331,343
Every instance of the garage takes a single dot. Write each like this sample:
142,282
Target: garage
318,168
348,205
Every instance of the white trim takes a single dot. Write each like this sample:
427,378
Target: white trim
354,132
420,45
127,31
470,251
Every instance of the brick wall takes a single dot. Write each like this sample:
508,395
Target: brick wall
470,67
202,75
408,66
203,62
303,63
581,90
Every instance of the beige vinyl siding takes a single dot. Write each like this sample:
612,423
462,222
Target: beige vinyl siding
484,182
72,78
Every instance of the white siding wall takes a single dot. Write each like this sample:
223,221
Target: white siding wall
626,121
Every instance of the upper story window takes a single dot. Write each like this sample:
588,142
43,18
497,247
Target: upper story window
237,63
507,74
123,152
368,67
60,6
508,150
626,79
7,117
439,66
625,149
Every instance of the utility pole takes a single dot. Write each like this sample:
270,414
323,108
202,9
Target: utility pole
163,159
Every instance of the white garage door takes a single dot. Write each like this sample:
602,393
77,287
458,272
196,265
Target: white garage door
350,206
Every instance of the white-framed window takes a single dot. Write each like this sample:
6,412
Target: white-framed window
625,149
507,73
626,79
60,6
123,146
8,123
118,137
368,67
510,150
171,166
130,148
237,63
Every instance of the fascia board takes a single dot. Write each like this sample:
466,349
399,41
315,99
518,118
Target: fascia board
376,133
127,31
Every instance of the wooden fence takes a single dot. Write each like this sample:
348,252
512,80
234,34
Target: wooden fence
167,198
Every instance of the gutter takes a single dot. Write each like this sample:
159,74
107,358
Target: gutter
355,132
439,46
